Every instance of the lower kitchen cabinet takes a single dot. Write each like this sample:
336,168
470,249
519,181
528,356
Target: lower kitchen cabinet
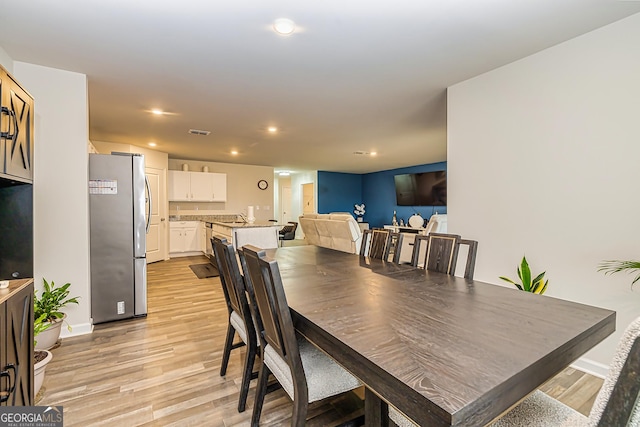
16,344
184,238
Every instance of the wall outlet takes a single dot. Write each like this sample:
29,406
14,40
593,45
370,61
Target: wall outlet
120,307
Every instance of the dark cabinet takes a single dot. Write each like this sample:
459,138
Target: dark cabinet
16,344
16,130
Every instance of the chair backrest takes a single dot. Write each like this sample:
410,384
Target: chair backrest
273,317
618,402
441,253
470,265
375,243
288,232
232,282
394,244
228,288
272,314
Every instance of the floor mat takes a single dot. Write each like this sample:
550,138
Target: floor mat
204,271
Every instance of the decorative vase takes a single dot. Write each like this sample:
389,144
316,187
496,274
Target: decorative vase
39,368
49,337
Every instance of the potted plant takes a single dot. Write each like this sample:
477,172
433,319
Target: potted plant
40,357
615,266
48,306
537,286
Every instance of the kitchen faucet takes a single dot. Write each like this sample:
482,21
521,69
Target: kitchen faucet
244,218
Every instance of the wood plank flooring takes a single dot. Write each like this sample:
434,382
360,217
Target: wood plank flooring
163,370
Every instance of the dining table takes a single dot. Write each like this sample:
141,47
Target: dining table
443,350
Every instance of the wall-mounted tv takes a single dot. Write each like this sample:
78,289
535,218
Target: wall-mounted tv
421,189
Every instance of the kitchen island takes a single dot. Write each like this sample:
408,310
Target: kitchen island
191,234
263,234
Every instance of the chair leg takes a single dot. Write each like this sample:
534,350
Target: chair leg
228,345
299,416
261,391
246,376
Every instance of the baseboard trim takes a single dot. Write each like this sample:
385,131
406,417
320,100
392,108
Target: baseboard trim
76,330
591,367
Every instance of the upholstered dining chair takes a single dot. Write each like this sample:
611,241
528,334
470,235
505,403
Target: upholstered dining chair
440,253
305,373
240,320
617,402
375,243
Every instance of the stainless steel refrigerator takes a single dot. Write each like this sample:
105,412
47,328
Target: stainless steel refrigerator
118,191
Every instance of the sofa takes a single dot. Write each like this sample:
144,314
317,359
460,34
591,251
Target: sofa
338,231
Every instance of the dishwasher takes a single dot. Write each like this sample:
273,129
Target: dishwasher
209,250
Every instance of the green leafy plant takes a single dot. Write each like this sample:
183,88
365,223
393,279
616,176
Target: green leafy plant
39,325
615,266
52,301
537,286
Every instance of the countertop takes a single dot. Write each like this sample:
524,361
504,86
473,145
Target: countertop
14,287
257,224
223,220
203,218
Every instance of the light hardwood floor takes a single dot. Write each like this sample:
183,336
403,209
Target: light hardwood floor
163,370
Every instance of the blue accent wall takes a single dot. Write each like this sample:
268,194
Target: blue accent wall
379,194
338,192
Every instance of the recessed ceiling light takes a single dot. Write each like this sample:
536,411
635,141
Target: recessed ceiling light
272,129
152,144
373,153
159,112
284,26
234,152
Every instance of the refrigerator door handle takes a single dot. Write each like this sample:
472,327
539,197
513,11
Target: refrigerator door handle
149,198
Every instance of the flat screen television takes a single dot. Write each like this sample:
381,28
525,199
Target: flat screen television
421,189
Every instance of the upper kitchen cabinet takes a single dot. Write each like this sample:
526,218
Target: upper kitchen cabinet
16,130
197,186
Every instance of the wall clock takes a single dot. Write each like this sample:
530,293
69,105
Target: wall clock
262,184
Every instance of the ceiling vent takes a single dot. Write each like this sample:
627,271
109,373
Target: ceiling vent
199,132
360,153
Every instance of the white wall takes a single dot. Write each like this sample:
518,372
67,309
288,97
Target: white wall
6,61
543,160
61,221
152,158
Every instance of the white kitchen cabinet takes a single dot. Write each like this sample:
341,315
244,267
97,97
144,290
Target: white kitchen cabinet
184,238
219,187
197,186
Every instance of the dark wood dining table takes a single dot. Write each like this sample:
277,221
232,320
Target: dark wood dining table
443,350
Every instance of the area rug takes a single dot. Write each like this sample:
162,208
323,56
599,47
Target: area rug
204,271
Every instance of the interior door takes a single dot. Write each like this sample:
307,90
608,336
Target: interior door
285,205
157,235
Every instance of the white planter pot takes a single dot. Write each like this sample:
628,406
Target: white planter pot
38,371
49,337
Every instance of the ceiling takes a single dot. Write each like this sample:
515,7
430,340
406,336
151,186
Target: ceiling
356,76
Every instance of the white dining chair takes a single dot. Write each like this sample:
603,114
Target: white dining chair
617,403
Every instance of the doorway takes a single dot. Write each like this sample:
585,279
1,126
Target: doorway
156,237
308,198
285,205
